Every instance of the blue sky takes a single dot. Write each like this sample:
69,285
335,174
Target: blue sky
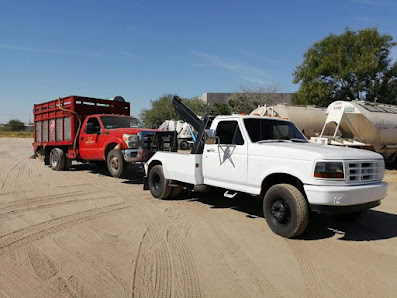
142,49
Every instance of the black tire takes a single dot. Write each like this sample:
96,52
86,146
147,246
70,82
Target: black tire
57,159
116,164
286,210
68,163
158,185
184,145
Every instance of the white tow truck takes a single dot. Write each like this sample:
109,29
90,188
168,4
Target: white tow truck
270,158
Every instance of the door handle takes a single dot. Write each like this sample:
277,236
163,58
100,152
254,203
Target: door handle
210,150
82,138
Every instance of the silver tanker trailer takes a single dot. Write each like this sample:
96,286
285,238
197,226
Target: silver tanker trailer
363,125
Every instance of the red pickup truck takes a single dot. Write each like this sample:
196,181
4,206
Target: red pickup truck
90,130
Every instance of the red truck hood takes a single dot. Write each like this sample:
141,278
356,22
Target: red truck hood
132,131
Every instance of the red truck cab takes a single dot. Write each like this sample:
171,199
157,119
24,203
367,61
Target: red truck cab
90,130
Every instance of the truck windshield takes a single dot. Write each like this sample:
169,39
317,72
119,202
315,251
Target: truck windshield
272,130
113,122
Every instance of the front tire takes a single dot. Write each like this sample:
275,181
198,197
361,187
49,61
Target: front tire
158,184
116,164
57,159
286,210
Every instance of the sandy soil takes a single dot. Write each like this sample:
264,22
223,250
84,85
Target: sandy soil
80,233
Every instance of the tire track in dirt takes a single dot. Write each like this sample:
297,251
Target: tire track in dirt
11,171
22,283
307,268
153,270
30,206
185,276
47,270
256,277
23,202
222,246
184,272
28,235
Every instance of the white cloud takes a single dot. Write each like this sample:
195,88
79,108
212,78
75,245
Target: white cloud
241,68
47,51
367,2
129,54
365,19
254,80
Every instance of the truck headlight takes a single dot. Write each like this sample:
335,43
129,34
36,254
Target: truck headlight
331,170
131,140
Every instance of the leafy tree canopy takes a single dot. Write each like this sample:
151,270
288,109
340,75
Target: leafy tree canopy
14,125
162,109
355,65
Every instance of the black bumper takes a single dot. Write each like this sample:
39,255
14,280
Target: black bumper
327,209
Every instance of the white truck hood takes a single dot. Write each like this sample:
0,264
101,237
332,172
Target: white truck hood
311,151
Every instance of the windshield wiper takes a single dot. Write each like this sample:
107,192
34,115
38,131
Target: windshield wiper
273,141
298,140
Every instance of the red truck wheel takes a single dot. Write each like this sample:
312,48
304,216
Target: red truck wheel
57,159
116,164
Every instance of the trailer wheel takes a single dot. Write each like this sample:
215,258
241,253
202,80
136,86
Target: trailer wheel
184,145
116,164
158,185
286,210
57,159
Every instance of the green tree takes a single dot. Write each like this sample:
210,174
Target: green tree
162,109
14,125
220,108
355,65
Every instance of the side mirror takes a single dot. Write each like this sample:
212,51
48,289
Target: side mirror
210,133
210,137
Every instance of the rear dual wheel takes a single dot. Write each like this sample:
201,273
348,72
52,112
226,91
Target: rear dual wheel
59,161
159,186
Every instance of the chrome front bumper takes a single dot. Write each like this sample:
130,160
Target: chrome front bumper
136,155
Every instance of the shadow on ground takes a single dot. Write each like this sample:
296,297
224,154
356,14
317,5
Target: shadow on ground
134,175
374,225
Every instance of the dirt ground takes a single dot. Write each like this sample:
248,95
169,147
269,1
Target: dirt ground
80,233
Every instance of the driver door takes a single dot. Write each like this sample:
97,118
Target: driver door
225,164
91,140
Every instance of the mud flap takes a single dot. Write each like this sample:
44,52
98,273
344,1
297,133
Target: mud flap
145,183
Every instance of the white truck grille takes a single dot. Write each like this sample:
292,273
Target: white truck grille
364,170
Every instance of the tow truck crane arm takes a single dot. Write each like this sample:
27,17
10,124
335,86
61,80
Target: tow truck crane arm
191,118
